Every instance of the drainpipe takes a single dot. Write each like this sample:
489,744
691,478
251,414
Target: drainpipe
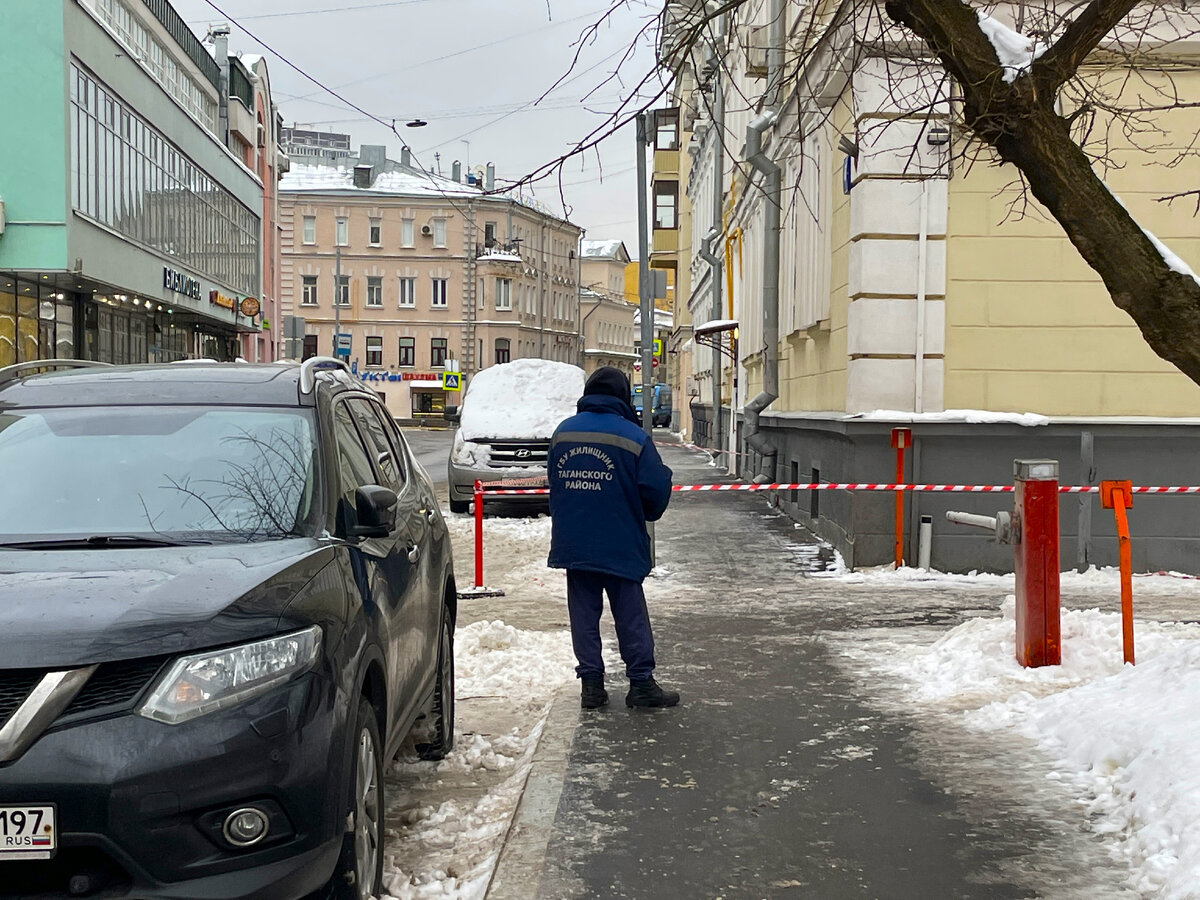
220,38
772,192
715,264
715,232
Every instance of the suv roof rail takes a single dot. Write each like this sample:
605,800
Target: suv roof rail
11,373
314,364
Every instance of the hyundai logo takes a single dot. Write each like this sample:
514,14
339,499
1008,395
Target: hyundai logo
523,454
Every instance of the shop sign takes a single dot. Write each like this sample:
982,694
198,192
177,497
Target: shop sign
181,283
250,307
399,376
216,298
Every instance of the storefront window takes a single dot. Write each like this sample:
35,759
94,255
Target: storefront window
27,322
64,330
8,322
428,403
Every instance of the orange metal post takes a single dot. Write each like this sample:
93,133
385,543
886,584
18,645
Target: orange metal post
901,438
1118,496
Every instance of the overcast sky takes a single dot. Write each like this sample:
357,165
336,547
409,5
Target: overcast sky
472,69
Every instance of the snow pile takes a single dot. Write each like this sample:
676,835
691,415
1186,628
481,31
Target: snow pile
1015,51
972,416
448,820
1121,738
522,399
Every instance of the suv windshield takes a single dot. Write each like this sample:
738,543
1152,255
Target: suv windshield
198,473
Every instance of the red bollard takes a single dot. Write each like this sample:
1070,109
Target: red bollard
478,534
1035,554
479,590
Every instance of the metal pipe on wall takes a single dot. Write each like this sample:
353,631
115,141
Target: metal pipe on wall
772,197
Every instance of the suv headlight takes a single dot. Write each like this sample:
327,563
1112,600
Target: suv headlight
205,682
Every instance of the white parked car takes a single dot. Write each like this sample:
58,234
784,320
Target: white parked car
509,411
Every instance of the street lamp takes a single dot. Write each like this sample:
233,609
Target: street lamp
417,123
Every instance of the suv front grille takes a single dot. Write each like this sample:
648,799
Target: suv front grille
15,685
113,686
518,454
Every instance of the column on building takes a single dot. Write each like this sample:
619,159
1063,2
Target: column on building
897,220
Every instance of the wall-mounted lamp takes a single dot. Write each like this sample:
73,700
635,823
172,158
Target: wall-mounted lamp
937,135
847,146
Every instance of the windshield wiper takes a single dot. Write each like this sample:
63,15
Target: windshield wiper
99,540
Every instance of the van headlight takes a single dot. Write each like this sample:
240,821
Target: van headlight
464,453
205,682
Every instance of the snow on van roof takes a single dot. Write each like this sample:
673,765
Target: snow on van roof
525,398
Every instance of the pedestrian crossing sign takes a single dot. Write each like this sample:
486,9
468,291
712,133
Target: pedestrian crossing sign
452,381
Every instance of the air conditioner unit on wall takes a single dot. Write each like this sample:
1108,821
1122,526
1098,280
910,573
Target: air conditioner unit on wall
427,230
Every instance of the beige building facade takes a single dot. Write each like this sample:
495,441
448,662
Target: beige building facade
606,315
913,293
435,275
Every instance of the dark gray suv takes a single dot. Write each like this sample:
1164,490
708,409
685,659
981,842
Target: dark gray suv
227,598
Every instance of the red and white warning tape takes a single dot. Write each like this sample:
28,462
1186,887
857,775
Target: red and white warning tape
877,486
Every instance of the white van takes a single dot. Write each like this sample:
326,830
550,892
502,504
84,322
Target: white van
509,411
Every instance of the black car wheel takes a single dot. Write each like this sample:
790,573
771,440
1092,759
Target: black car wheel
441,724
459,506
360,867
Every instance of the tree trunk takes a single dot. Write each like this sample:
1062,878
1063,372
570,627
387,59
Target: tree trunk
1020,122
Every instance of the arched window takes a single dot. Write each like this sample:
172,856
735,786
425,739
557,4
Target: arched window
502,354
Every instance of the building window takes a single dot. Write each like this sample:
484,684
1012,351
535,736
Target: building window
374,291
438,298
408,352
489,234
408,292
376,232
439,232
502,350
437,352
128,177
503,293
343,297
308,295
666,204
374,352
666,129
343,231
310,229
406,232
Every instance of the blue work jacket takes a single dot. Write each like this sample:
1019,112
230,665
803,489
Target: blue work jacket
606,481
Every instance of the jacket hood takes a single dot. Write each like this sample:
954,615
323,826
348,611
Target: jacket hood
603,403
67,607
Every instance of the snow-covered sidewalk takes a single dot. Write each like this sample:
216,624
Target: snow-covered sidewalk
1124,740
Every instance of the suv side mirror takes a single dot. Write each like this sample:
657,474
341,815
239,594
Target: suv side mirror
375,511
451,414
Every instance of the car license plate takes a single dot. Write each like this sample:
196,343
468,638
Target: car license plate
27,832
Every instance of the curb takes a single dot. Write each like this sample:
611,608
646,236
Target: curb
523,855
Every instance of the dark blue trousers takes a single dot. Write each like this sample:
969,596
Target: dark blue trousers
585,603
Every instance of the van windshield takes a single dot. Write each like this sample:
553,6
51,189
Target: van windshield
210,473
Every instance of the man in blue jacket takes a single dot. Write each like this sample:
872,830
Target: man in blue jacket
606,482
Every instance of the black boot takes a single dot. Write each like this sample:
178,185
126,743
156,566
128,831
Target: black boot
650,693
594,695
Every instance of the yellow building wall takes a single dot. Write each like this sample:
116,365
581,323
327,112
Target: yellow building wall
812,363
1029,327
631,287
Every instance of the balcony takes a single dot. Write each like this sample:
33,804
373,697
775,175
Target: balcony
497,251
